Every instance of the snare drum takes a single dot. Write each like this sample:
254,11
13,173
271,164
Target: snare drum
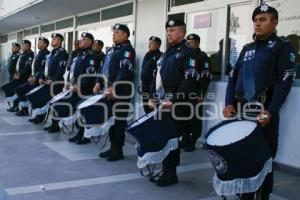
155,135
240,156
96,115
39,96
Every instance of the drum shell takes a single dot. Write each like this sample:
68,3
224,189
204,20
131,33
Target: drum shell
9,88
153,134
242,159
39,98
22,90
96,114
66,106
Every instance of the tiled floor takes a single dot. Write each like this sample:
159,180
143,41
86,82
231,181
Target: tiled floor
35,165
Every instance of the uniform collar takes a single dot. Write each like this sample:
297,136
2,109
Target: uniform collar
155,51
178,44
271,37
125,43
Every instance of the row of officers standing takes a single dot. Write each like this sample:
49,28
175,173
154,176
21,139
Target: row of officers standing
264,73
184,68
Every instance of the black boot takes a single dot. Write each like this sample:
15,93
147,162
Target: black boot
105,154
77,137
22,112
84,140
115,156
167,178
39,119
13,109
54,128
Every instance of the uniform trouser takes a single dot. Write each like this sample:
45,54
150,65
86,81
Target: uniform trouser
193,128
145,97
173,159
117,131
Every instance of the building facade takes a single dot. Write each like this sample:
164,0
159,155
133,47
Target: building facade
223,25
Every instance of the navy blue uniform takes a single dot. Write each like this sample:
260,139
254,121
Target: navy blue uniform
37,71
193,128
74,54
54,70
264,72
86,62
100,56
177,68
24,65
119,64
148,68
11,65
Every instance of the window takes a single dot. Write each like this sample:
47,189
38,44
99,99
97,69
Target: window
174,3
47,28
210,26
240,32
88,19
118,11
289,25
64,24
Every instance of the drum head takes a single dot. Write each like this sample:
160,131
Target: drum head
230,132
59,96
90,101
35,89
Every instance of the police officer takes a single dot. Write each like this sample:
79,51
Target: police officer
264,72
97,48
148,68
23,68
74,55
86,63
54,71
118,66
177,76
13,59
37,70
193,127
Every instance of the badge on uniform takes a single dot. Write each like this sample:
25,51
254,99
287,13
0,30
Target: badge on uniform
292,57
92,62
127,54
192,62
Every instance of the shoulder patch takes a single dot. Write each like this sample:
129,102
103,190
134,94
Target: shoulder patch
292,57
127,54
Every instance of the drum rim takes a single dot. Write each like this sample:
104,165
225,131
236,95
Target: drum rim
81,107
36,89
224,123
151,114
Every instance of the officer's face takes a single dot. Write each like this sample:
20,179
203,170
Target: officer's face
97,47
175,35
119,36
153,45
76,46
194,44
264,25
15,49
56,42
84,43
26,47
41,45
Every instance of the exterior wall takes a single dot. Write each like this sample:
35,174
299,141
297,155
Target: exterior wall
146,10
